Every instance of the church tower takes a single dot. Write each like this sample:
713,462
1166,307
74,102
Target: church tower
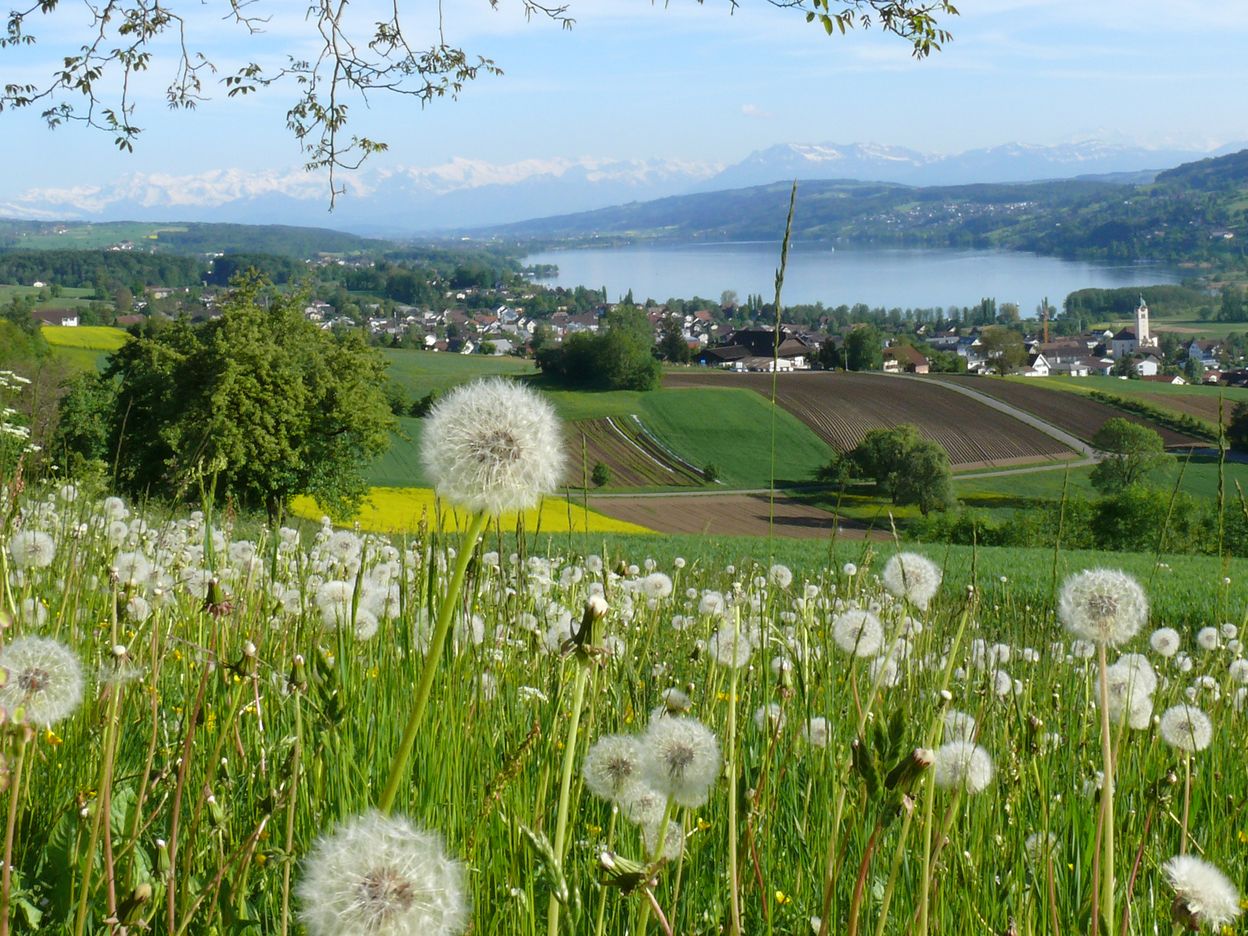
1142,338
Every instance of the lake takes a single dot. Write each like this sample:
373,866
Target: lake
902,277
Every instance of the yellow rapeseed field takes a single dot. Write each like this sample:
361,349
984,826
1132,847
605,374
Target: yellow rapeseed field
400,510
91,337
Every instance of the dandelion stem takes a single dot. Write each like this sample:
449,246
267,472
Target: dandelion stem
292,805
101,804
10,826
1187,802
1107,797
565,787
730,768
433,656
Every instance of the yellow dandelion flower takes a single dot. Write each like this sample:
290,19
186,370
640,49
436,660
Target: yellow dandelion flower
782,898
52,737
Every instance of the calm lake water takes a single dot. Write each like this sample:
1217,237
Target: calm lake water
905,278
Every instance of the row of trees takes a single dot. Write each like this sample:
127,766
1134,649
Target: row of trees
619,356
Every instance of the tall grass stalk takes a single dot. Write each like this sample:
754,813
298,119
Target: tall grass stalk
22,737
433,657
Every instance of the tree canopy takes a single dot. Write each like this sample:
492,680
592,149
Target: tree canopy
1130,454
259,398
906,467
620,356
345,59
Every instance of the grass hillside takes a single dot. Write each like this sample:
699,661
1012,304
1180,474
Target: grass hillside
728,428
420,372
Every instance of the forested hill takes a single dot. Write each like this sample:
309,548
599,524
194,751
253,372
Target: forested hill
182,238
1185,214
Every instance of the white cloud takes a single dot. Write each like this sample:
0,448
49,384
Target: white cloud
753,110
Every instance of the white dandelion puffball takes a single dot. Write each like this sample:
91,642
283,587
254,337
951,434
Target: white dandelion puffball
1205,893
32,549
962,764
656,585
1208,638
681,759
382,876
44,680
730,647
780,575
492,446
611,764
1238,670
858,633
815,732
1186,727
911,576
1102,605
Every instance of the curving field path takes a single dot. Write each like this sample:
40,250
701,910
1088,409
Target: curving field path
841,408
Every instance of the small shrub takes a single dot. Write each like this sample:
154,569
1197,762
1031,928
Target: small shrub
600,475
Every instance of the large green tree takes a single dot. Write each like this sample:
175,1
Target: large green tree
1129,454
906,468
259,398
864,348
1003,347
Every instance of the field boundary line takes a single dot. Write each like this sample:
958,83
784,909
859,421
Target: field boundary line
641,427
1001,406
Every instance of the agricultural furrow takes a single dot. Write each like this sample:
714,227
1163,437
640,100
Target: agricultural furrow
842,408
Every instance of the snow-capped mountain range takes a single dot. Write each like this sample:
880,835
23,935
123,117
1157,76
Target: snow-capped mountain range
465,193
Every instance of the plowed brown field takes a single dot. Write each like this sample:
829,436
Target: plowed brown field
842,408
1067,410
728,515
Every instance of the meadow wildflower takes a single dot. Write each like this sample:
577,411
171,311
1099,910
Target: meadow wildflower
780,575
381,876
32,549
769,717
961,764
1203,895
657,585
611,764
1238,670
492,446
1186,728
1102,605
858,632
1208,638
815,731
730,647
673,844
681,759
44,680
913,577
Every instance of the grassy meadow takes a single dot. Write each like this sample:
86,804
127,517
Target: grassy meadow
226,707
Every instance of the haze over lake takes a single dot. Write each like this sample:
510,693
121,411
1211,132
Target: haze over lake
900,277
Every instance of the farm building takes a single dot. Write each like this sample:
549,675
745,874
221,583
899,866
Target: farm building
66,318
904,359
753,349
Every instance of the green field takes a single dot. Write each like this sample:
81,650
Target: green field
421,372
70,297
728,428
87,236
1187,329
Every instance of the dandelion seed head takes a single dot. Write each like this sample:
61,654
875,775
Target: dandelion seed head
780,575
815,731
858,632
961,764
44,680
1186,728
1103,606
1202,892
730,647
32,549
959,726
681,759
657,585
913,577
611,764
382,876
492,446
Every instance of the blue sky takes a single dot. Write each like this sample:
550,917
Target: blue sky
692,82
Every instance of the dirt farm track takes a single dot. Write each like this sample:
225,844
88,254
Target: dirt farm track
739,514
841,408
